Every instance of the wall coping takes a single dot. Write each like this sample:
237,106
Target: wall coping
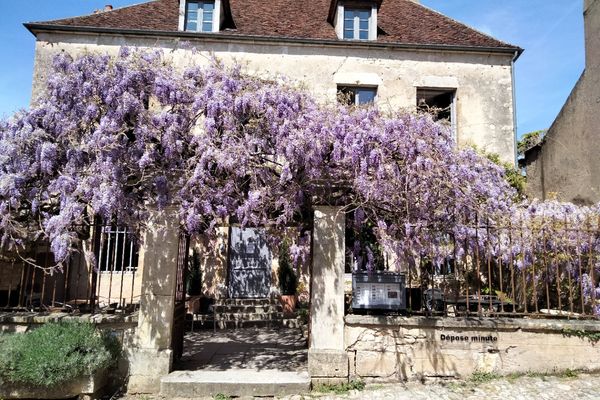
509,324
42,318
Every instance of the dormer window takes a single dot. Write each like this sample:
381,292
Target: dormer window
354,19
199,16
204,15
357,23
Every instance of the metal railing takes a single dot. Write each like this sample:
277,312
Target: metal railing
543,270
110,284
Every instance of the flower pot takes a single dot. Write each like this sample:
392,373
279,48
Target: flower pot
288,302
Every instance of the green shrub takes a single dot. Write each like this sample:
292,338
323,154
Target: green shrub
341,388
285,274
55,353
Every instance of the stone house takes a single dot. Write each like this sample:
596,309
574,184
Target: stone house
397,54
565,165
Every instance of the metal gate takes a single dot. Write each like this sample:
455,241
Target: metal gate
249,263
179,311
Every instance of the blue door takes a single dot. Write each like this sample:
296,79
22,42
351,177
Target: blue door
249,263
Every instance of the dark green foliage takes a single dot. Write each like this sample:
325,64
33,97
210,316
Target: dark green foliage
286,275
513,176
342,388
55,353
194,277
529,140
593,337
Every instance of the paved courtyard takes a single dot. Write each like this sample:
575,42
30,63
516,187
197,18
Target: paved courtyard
256,349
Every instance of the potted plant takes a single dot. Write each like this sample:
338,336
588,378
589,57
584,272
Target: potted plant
287,279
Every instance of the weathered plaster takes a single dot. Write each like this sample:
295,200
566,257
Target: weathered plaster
398,348
483,80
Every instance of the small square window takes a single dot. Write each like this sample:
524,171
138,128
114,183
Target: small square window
440,103
357,23
356,95
199,16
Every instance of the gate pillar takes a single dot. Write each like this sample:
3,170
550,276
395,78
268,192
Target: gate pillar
152,356
327,357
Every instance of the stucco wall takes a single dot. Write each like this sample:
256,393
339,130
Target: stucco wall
483,82
398,348
568,167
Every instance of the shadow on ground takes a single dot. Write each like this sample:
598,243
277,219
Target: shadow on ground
257,349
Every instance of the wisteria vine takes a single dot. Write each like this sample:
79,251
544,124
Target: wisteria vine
119,137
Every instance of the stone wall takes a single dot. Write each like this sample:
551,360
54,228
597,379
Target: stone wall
482,80
400,348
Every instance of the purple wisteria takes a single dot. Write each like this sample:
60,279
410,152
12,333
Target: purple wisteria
118,137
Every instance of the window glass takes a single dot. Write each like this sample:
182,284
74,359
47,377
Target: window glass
356,23
199,16
355,95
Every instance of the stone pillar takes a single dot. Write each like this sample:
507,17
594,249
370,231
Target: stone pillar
327,357
152,357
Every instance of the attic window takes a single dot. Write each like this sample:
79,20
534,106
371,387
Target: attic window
356,23
200,16
354,19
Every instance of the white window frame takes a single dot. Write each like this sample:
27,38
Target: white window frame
339,20
355,88
128,249
216,20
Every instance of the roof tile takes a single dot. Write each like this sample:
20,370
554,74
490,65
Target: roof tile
399,21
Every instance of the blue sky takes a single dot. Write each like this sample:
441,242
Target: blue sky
550,31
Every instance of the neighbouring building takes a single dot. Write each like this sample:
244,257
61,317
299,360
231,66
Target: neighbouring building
566,164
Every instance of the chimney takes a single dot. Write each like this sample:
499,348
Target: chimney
108,7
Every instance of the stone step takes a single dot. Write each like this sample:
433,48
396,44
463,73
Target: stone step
248,309
291,323
247,383
228,316
247,302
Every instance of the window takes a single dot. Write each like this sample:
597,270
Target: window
439,103
199,16
357,23
356,95
117,251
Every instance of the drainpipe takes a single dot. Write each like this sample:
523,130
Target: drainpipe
514,98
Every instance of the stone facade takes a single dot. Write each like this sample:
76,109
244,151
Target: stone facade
399,348
566,165
482,80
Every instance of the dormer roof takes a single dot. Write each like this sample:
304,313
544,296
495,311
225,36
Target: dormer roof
400,22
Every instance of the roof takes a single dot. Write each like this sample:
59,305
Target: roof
401,22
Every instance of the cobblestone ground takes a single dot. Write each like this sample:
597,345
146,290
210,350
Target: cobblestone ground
521,388
582,386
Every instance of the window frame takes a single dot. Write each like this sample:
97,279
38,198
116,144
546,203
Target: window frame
200,18
339,18
117,250
440,91
355,89
356,22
